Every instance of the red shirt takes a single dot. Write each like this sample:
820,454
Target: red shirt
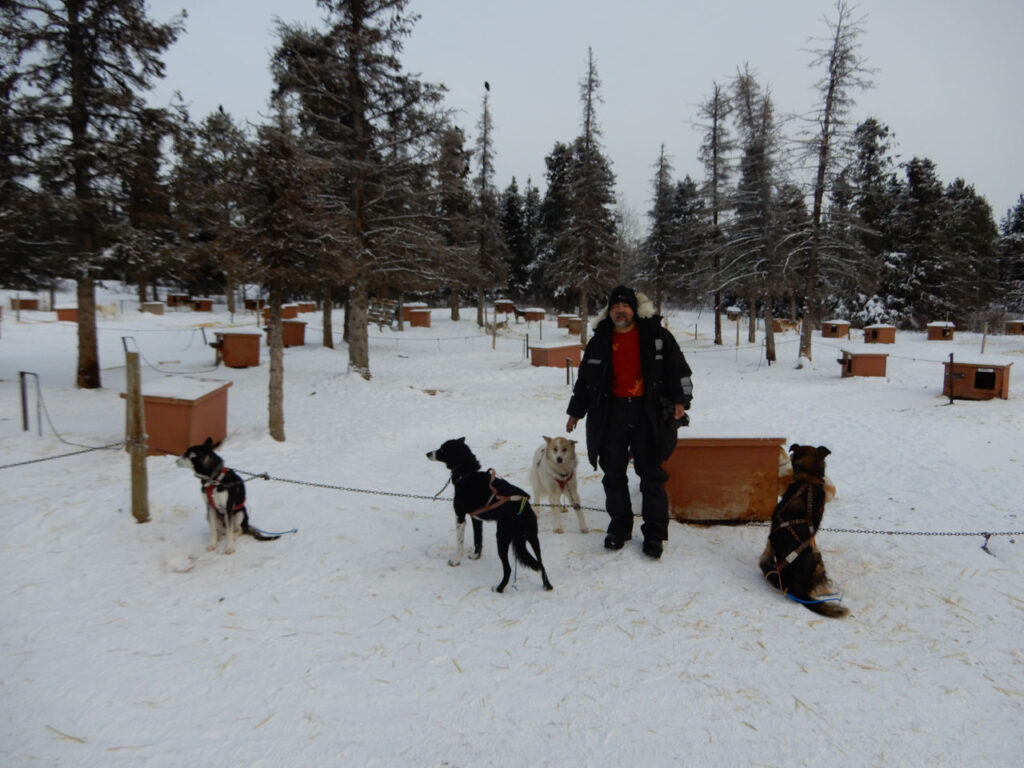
627,375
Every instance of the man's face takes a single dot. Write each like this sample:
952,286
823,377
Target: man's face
622,315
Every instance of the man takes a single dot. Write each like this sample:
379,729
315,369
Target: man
634,388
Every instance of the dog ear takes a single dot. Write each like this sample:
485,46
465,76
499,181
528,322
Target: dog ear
793,447
460,439
823,451
573,442
209,443
546,439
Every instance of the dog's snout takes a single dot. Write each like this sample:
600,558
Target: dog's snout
430,455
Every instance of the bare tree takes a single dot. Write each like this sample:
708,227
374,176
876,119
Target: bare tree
844,72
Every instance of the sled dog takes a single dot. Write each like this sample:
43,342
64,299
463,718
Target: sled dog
553,476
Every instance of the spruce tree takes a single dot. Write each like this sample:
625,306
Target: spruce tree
74,72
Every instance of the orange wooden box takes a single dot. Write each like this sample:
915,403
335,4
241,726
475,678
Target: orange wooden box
835,329
239,349
19,303
533,315
1015,327
555,355
976,381
880,334
293,333
863,363
940,331
67,314
723,479
418,318
202,305
181,411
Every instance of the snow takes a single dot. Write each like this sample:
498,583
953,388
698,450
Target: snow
352,642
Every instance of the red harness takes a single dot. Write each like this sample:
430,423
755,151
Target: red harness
210,487
497,499
564,482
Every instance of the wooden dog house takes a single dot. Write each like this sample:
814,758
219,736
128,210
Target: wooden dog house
152,307
533,314
178,300
940,331
238,349
575,326
307,306
1015,327
835,329
505,306
976,380
202,305
288,312
255,304
410,307
863,363
556,354
419,318
17,302
293,333
880,334
563,320
182,411
67,314
723,479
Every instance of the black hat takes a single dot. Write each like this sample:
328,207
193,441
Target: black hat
624,295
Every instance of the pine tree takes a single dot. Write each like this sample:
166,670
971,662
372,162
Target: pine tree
74,71
1011,256
374,127
455,218
715,153
661,241
520,248
492,265
212,171
589,259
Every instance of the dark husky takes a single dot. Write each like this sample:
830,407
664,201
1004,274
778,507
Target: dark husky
483,496
224,494
791,561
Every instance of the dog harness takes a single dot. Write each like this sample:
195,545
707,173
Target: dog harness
564,482
799,544
214,484
497,499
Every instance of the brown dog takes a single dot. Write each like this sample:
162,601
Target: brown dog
791,561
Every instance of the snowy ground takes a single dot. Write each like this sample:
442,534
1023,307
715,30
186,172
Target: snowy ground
353,643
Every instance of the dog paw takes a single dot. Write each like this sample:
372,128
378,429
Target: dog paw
453,562
473,556
584,529
211,547
557,530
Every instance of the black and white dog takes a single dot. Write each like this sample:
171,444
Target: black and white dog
224,494
484,496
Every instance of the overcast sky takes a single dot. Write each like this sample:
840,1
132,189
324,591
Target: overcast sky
946,81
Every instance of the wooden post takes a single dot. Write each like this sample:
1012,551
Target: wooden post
135,437
984,336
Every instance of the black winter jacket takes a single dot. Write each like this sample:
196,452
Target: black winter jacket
666,381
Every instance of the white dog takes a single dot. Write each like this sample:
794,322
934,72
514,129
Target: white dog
553,475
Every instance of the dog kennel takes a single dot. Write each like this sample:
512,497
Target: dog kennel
880,334
237,349
723,479
555,354
940,331
1015,327
862,363
67,314
976,380
181,411
835,329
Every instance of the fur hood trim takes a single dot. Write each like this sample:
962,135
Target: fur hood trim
644,310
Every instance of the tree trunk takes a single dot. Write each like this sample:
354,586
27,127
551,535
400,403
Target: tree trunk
276,396
355,323
88,352
327,309
480,299
718,317
229,289
752,330
584,317
769,334
454,303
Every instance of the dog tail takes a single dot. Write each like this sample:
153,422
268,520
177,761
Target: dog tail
523,555
831,609
259,535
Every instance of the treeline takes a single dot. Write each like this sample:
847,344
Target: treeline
361,184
